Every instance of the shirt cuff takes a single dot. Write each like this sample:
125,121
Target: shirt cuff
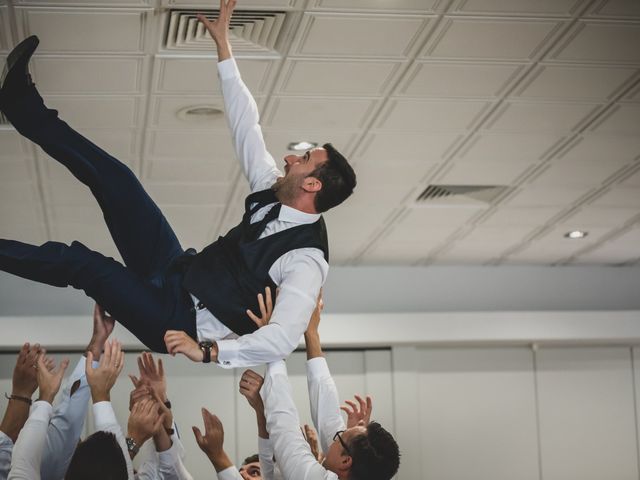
103,414
317,368
41,410
277,367
227,352
169,457
5,440
228,69
265,447
230,473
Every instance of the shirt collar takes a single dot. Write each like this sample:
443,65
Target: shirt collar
291,215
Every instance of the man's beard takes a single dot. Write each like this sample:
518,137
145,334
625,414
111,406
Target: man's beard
286,188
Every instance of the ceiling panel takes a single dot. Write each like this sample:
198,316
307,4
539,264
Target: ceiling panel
182,193
519,147
245,4
622,119
104,112
23,215
400,173
166,112
508,217
421,6
482,172
178,144
279,140
88,75
309,77
539,117
391,147
96,3
520,7
56,175
430,116
5,40
321,113
93,30
188,170
595,216
574,82
430,79
493,39
619,197
12,145
616,8
600,41
575,173
620,249
548,195
200,75
603,147
368,36
17,170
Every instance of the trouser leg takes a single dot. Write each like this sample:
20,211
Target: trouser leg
140,231
146,307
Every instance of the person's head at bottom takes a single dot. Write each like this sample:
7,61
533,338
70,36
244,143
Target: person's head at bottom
250,469
363,452
99,457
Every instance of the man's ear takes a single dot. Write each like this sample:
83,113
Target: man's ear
312,184
346,461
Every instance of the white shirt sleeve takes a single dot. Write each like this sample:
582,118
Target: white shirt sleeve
105,420
230,473
66,425
6,447
27,452
292,452
243,119
323,401
299,276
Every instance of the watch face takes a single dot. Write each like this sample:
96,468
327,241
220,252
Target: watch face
206,344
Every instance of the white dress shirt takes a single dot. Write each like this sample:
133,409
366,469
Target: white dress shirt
6,447
292,452
105,421
27,452
167,465
230,473
268,467
299,273
323,401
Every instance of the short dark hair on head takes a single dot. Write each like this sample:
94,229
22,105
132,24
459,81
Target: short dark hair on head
251,459
99,457
375,455
337,177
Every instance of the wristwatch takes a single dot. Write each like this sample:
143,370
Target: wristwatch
132,446
206,346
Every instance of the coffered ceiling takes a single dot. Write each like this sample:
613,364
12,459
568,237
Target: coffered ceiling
539,96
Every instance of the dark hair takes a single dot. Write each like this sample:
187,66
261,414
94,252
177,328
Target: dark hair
375,455
337,177
252,459
99,457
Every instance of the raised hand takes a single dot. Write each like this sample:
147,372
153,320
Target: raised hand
144,420
152,375
250,385
178,341
358,413
49,380
219,28
211,443
311,437
24,381
102,379
266,309
103,325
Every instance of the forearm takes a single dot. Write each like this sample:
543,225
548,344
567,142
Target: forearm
224,49
323,401
261,420
27,452
312,342
15,416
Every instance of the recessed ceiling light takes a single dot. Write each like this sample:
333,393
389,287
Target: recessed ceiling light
200,113
575,234
301,146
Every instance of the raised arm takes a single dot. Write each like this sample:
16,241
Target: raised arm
240,107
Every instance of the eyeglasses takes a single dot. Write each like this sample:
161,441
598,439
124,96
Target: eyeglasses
338,436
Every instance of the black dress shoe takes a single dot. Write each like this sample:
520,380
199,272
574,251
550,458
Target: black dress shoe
16,73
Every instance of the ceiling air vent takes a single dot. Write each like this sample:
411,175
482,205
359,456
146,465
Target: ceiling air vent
460,194
251,30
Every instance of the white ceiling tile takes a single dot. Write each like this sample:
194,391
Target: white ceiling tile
19,214
519,147
391,147
599,41
309,77
176,145
97,3
524,217
603,147
34,234
321,113
539,117
359,35
623,248
189,193
388,253
97,112
496,39
67,192
482,173
432,217
616,8
93,30
576,173
165,112
13,146
193,224
245,4
458,79
547,196
386,5
19,193
19,170
78,75
430,116
4,31
619,197
87,213
634,95
498,237
187,170
574,82
372,201
93,235
200,75
402,173
623,119
632,180
594,216
516,7
279,140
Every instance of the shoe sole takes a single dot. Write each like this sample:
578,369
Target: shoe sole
26,46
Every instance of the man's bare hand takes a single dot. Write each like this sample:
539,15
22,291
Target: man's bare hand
144,420
178,341
311,437
49,380
358,414
152,375
250,385
103,325
102,379
24,380
266,308
212,442
219,28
